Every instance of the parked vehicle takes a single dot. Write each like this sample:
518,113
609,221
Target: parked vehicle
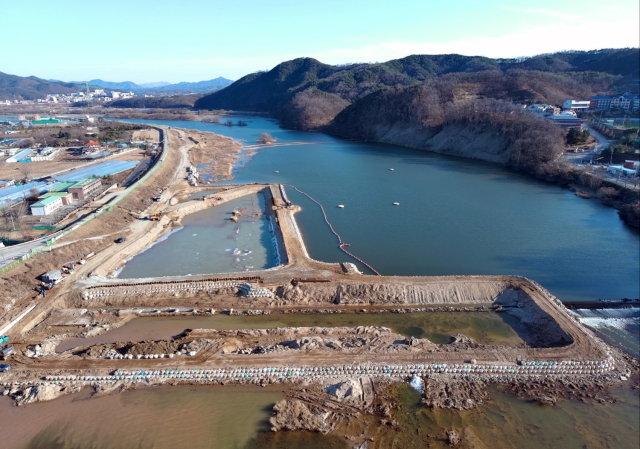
121,240
7,352
4,367
3,339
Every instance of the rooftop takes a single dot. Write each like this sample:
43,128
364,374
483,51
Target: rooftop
83,183
55,194
45,201
101,169
62,187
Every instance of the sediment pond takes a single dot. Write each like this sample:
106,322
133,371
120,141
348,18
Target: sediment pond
439,327
209,242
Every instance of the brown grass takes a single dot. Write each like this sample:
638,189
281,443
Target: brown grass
18,286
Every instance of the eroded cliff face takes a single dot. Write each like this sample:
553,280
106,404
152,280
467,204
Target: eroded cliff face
466,140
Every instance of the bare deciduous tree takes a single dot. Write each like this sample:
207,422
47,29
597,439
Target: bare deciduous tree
266,138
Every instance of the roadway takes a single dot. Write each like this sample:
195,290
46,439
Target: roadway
586,160
12,253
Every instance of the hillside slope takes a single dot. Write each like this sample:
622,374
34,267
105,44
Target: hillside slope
434,116
306,94
13,87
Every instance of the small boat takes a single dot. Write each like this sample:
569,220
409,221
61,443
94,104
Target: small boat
396,204
276,171
341,206
391,169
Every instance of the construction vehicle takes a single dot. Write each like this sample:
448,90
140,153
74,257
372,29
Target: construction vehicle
156,215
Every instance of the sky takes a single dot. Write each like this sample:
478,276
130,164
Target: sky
193,40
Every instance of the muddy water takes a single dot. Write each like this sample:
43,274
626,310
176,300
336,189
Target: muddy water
209,242
439,327
236,417
159,418
507,422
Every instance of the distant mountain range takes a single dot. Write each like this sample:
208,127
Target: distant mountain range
13,87
162,87
152,85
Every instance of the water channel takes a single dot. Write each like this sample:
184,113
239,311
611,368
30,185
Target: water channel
439,327
456,216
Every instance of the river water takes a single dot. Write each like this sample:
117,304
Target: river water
456,216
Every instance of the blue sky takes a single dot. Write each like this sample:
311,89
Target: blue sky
192,40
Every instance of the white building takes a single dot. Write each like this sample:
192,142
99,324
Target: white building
46,206
18,156
626,102
576,105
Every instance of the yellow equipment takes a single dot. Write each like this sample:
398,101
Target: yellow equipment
156,216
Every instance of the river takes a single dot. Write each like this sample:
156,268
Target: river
456,216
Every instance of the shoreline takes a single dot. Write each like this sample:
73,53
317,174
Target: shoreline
568,183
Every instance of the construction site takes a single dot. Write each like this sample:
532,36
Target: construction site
246,327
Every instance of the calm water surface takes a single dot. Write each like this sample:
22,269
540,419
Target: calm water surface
158,418
209,242
439,327
456,216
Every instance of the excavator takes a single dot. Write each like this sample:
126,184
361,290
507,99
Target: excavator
156,215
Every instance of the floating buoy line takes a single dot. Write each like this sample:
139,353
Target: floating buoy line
342,244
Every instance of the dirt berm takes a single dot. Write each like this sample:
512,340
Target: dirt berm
446,292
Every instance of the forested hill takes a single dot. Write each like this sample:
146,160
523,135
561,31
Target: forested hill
13,87
434,116
307,94
623,61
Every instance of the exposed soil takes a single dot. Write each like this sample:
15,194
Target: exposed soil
218,152
460,395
